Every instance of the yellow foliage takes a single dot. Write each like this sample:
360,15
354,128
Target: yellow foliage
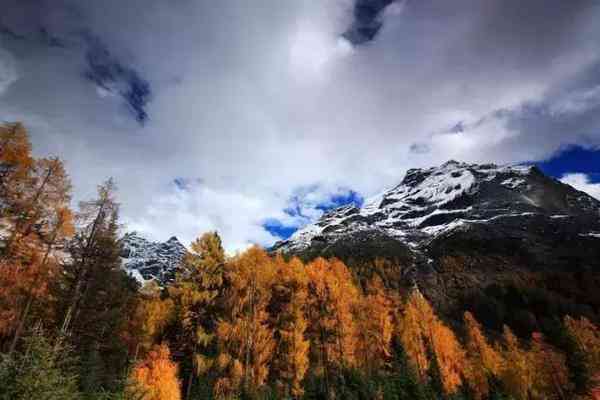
587,336
332,300
288,301
551,376
375,327
483,360
421,328
155,378
517,374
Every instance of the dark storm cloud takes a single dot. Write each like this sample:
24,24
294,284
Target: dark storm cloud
110,75
59,25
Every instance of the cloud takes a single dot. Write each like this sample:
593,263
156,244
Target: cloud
8,70
111,76
582,182
253,103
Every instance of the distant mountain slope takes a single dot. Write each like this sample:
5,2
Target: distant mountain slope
434,201
146,260
461,226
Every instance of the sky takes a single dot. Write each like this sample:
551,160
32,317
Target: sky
252,118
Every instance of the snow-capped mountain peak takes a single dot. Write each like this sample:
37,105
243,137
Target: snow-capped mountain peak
147,260
431,201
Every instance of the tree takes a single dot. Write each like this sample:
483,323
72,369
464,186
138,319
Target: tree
412,334
35,207
38,373
197,295
421,332
332,298
95,295
155,377
287,312
54,224
375,327
587,336
245,339
150,318
551,378
15,167
98,222
518,374
484,362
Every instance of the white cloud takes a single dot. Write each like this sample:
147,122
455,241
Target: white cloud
8,70
259,101
582,182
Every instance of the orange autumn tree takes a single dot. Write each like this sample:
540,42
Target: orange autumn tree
587,336
551,377
332,299
245,339
155,377
483,360
149,319
375,327
15,167
36,218
287,310
518,374
420,329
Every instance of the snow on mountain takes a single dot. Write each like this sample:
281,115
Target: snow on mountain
433,201
146,260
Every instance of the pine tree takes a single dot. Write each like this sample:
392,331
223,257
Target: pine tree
39,372
155,377
96,295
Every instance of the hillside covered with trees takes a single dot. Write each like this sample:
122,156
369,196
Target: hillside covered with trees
74,325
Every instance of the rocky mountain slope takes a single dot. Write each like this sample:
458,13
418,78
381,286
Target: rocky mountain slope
146,260
459,226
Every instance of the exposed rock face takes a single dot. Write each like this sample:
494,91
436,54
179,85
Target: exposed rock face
501,220
146,260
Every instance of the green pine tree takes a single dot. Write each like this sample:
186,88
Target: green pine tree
39,372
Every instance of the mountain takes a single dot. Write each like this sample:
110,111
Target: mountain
461,226
146,260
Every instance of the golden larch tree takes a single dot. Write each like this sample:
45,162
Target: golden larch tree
551,377
287,310
518,374
483,360
245,339
375,327
155,377
587,336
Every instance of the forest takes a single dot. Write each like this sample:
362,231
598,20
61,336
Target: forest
254,325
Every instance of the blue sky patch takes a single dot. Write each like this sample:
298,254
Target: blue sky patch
298,203
573,159
276,228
